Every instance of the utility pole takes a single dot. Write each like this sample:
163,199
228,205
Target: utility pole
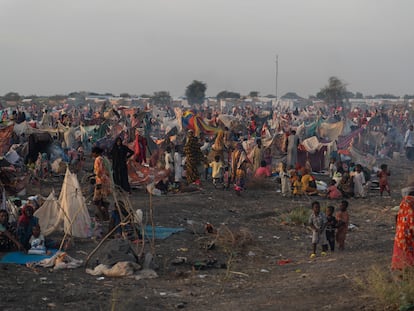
277,71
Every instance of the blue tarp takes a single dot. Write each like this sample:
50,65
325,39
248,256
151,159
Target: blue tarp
21,258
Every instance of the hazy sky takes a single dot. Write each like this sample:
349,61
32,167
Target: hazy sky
140,46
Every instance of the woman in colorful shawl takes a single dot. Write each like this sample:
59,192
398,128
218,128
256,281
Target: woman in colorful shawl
8,239
25,225
193,158
238,157
403,253
101,169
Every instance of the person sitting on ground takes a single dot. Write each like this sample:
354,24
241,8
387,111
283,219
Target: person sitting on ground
346,186
115,220
333,192
162,185
37,242
8,240
263,171
25,225
308,183
296,185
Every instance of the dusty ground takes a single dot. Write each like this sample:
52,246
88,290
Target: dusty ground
247,276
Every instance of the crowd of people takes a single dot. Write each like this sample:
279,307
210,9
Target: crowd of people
232,158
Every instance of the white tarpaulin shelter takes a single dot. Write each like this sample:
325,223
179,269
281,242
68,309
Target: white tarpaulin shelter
68,213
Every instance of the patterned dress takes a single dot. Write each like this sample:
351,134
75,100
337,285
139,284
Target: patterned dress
103,179
193,158
403,254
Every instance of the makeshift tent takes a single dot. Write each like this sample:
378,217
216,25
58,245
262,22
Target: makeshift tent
193,122
142,175
316,152
69,211
38,143
330,131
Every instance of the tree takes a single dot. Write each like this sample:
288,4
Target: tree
291,95
385,96
12,96
227,94
161,98
359,95
333,93
254,94
196,92
349,94
124,95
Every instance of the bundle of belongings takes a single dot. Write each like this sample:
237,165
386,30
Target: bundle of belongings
118,258
60,260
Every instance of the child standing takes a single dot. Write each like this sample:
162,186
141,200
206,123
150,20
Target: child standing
342,218
383,179
318,222
330,226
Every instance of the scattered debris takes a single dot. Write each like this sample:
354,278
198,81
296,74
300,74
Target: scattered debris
284,262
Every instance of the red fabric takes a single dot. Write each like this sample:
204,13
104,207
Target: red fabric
403,254
24,219
140,148
284,262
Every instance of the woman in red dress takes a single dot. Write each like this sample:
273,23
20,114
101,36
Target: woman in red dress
403,253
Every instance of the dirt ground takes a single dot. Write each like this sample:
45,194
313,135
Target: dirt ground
246,275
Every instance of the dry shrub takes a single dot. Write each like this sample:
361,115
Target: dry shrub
233,239
392,290
298,216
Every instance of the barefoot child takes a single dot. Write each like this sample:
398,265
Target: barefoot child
383,179
330,227
342,218
317,222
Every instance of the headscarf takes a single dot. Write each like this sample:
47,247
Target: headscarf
24,219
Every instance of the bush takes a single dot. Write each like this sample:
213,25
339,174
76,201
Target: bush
298,216
392,289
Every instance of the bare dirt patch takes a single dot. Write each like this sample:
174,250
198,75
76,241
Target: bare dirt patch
256,261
